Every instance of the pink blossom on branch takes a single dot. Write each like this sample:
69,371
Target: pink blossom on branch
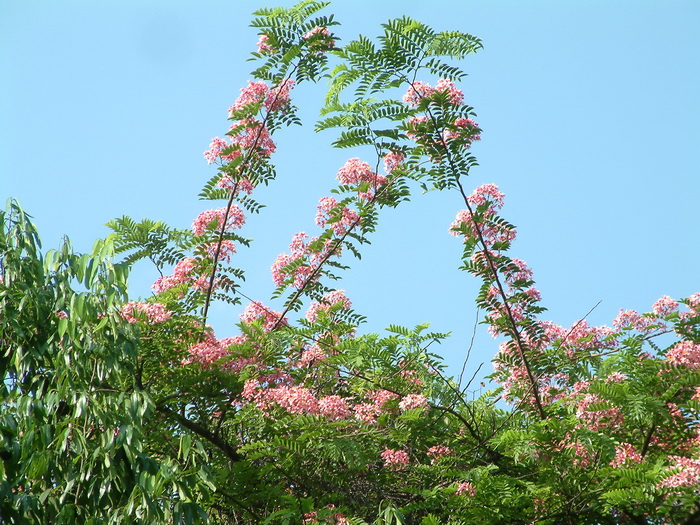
182,273
253,93
684,353
395,459
665,306
438,451
277,98
355,172
412,401
687,473
250,134
263,45
257,310
154,313
465,489
625,454
393,160
343,219
215,219
329,300
319,37
334,408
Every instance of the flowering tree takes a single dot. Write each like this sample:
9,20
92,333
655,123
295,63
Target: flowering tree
115,408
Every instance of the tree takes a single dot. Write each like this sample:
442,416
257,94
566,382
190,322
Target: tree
144,411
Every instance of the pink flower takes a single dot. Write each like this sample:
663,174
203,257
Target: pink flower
631,319
256,310
395,459
312,355
254,93
278,97
242,185
182,273
393,160
294,399
465,128
341,219
487,193
465,489
263,46
437,452
329,300
417,91
154,312
355,172
447,86
334,408
214,219
687,473
367,412
319,37
420,90
250,134
694,302
684,353
226,250
625,454
665,306
412,401
215,148
381,397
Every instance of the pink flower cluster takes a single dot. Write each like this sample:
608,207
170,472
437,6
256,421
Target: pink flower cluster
491,231
687,475
252,94
464,128
412,401
301,272
257,310
255,93
319,37
243,185
294,399
369,412
356,172
342,219
211,350
247,134
596,417
625,454
465,489
632,320
665,306
420,90
154,312
300,264
684,353
215,219
437,452
395,459
252,135
334,408
310,356
393,160
263,45
182,273
329,300
226,250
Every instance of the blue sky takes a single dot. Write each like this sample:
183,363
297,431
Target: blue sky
590,113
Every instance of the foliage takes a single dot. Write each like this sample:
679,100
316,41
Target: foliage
114,408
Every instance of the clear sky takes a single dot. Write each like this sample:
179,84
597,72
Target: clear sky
590,111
